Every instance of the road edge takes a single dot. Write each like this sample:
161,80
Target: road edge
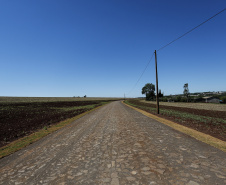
210,140
39,134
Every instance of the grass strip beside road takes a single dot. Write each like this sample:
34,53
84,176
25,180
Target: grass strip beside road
203,106
217,143
27,140
183,116
212,123
20,119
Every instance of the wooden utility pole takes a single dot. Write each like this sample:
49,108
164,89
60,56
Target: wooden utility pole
157,89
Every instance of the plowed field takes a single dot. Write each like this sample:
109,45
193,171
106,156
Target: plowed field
207,121
20,119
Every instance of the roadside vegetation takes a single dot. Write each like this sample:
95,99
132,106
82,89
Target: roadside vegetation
205,106
9,99
26,120
21,116
211,122
202,97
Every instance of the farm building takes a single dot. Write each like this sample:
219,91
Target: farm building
211,99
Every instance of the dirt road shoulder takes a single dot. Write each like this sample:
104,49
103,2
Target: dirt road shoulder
27,140
217,143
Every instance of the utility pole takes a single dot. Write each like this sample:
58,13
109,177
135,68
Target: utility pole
124,96
157,89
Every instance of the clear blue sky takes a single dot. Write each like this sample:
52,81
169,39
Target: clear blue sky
99,48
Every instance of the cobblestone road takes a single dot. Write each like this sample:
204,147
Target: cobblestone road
115,145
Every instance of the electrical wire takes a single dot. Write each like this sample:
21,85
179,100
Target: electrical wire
191,29
141,75
173,42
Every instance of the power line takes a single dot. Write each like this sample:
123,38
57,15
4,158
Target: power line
191,29
141,75
172,42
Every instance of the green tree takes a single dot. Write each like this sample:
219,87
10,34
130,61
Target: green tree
179,98
160,93
186,91
164,99
223,98
149,91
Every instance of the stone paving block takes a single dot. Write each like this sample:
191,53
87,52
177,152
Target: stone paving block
115,145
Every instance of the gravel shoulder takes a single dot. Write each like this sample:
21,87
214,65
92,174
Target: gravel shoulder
115,145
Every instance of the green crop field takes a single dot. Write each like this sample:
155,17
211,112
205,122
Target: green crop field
204,117
204,106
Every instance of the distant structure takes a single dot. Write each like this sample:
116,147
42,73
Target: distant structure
210,99
202,97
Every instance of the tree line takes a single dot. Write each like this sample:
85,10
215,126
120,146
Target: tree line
149,91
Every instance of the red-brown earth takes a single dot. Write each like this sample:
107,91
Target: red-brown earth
211,122
20,119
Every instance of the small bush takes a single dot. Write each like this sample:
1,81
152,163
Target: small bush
223,98
178,98
164,99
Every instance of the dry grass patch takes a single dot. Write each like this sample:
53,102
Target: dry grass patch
27,140
217,143
204,106
51,99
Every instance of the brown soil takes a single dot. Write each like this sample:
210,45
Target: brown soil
209,127
20,119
